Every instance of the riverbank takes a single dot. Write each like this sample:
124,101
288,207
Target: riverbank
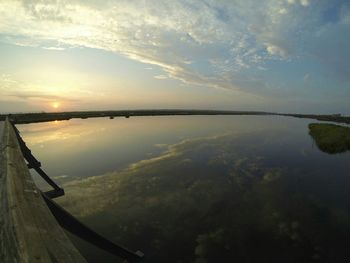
22,118
330,138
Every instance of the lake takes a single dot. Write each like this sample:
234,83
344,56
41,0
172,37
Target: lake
200,188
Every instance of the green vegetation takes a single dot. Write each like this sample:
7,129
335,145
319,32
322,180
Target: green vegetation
330,138
332,118
21,118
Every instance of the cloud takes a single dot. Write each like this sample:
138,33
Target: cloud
15,90
226,37
160,77
275,50
54,48
305,2
39,96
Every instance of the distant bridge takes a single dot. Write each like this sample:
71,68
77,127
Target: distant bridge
30,221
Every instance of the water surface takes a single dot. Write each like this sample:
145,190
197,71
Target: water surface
201,188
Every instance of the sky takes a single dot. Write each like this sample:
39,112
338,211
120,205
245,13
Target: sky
267,55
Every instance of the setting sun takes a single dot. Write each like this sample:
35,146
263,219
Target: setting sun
179,131
55,105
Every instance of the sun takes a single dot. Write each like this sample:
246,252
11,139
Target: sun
55,105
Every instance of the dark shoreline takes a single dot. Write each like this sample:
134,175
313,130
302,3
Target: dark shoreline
24,118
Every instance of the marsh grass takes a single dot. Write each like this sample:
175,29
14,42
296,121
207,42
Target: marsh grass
330,138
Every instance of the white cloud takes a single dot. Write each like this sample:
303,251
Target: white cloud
283,11
305,2
228,36
275,50
160,77
54,48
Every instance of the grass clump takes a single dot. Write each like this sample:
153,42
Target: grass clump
330,138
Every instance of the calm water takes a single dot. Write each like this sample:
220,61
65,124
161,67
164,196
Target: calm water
201,189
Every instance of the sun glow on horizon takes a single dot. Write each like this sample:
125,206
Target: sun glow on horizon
252,55
56,105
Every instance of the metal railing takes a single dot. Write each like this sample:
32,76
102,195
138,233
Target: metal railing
63,217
